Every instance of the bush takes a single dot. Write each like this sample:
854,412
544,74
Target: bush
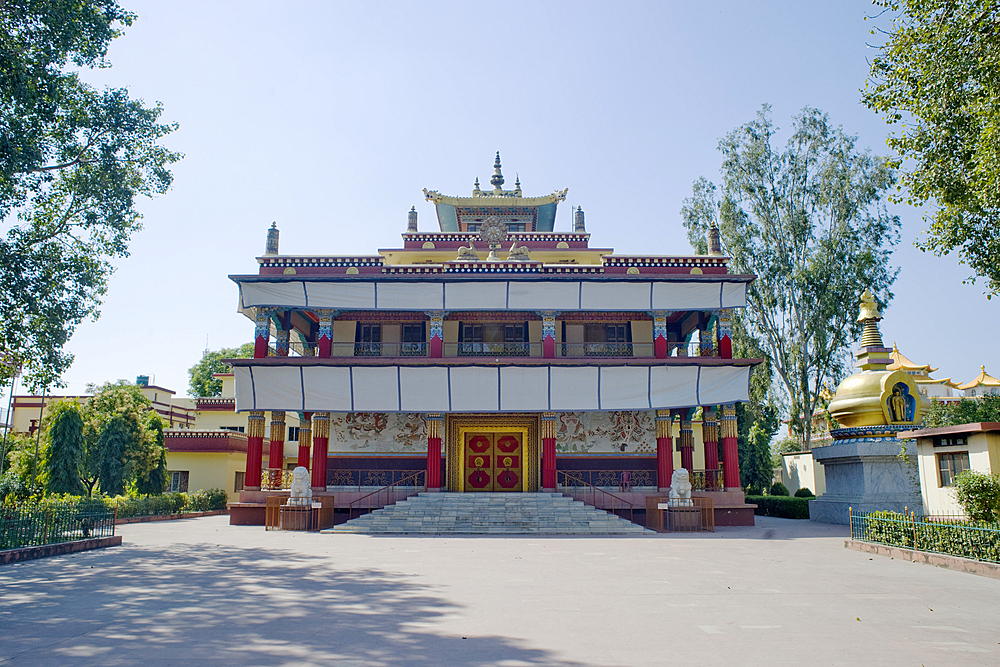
780,506
804,492
203,501
979,495
753,490
778,489
958,538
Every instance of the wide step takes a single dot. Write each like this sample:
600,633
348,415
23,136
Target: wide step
490,514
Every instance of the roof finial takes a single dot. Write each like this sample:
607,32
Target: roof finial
271,246
497,180
517,185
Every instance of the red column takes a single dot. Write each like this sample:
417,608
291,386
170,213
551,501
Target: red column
548,339
321,443
436,338
255,449
433,452
664,450
725,336
325,336
730,451
661,349
549,477
687,443
710,439
262,332
305,440
276,454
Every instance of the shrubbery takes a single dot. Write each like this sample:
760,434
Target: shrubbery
132,506
968,539
780,506
979,495
778,489
804,492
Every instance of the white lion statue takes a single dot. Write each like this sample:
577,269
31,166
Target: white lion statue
680,489
301,492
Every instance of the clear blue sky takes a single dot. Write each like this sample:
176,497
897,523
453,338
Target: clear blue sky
330,117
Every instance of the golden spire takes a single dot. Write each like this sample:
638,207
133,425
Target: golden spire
870,316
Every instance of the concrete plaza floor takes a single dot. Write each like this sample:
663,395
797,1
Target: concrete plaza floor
201,592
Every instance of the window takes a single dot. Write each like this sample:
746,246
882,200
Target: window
293,434
238,429
238,485
951,441
608,339
493,339
368,340
413,340
950,465
179,481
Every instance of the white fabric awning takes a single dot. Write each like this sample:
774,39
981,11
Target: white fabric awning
471,388
557,295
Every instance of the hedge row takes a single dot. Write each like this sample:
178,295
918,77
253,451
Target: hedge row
131,506
967,539
784,507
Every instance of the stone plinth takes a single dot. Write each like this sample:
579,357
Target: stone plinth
866,475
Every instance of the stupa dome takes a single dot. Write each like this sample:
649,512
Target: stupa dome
876,397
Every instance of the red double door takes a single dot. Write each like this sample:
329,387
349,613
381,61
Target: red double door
493,461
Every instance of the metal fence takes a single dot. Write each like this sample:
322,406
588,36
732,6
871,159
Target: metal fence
359,479
944,535
32,527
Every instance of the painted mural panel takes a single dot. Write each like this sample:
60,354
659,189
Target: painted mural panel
617,431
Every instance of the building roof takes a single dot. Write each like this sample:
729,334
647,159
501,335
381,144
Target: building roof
984,379
975,427
900,362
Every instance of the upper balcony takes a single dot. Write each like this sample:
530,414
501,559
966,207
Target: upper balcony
505,350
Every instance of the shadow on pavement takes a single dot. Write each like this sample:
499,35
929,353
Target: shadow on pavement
221,605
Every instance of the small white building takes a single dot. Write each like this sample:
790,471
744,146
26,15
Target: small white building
944,452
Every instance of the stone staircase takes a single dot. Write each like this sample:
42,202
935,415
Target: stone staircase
490,514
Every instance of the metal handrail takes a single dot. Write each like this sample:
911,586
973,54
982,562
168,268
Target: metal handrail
594,490
415,485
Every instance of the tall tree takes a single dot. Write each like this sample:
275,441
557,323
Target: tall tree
72,162
202,383
809,222
120,448
937,78
153,480
65,451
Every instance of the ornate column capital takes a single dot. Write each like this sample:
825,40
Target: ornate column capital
436,323
728,421
255,424
262,322
320,425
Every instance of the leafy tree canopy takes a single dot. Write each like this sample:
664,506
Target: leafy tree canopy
937,78
202,383
809,222
65,451
121,448
72,162
965,411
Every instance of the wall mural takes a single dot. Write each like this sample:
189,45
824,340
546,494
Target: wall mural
617,431
631,432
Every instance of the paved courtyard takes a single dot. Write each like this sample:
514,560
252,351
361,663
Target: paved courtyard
200,592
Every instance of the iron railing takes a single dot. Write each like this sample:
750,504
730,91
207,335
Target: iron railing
607,478
575,487
275,479
365,478
390,494
30,527
944,535
567,350
707,480
490,349
605,349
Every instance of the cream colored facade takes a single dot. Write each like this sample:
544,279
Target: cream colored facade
210,470
800,471
938,448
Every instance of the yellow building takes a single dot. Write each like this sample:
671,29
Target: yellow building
943,453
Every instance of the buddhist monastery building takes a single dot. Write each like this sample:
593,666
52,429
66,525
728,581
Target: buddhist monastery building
494,354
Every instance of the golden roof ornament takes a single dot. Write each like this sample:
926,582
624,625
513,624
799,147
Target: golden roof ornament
497,179
869,309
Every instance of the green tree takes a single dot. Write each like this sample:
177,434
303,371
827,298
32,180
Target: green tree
72,162
154,480
809,222
202,383
120,449
937,78
965,411
978,494
65,451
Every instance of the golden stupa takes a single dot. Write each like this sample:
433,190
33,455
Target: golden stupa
876,399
